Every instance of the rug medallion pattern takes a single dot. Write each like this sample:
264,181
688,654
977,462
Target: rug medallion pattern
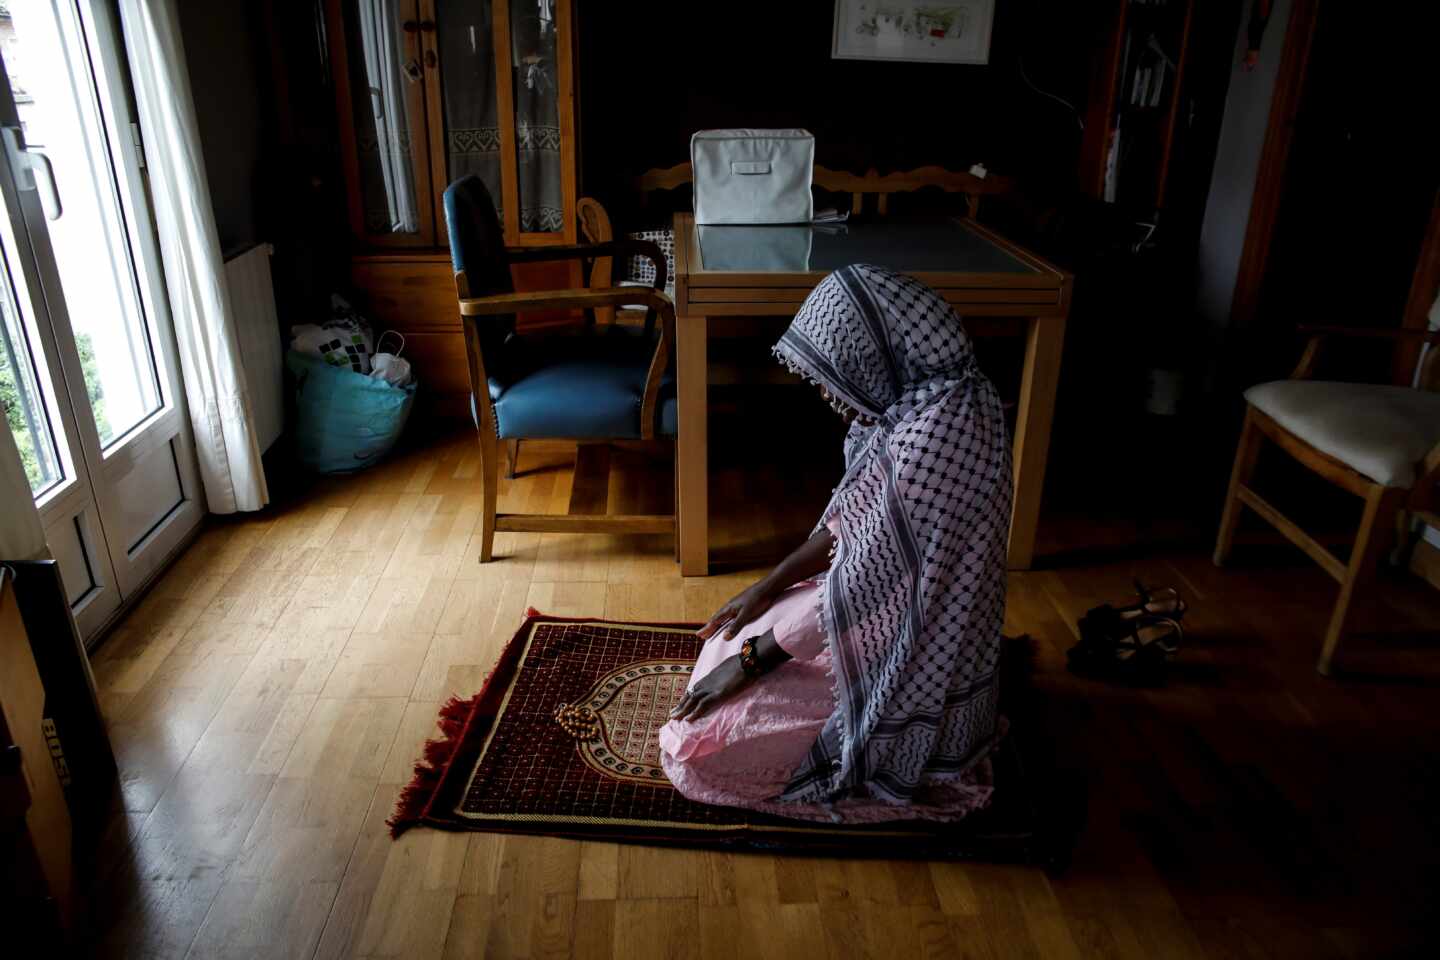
631,704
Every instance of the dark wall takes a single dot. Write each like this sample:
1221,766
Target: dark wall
1359,181
266,115
227,79
649,79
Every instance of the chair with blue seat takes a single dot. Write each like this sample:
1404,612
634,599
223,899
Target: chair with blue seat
594,387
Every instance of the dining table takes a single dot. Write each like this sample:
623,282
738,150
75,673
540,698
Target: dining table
726,272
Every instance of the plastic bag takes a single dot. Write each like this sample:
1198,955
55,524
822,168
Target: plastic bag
390,367
344,420
342,341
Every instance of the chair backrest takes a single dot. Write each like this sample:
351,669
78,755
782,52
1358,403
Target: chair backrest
477,241
857,185
595,228
482,266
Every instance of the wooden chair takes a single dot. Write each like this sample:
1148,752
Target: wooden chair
594,225
1380,442
595,228
589,388
858,185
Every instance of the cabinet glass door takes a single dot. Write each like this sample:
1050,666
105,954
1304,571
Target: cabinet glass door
541,95
470,118
379,58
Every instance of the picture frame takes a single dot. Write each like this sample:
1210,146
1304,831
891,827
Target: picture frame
913,31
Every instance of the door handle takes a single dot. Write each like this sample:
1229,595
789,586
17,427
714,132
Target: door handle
33,171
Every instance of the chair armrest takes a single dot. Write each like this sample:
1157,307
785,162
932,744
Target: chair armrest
1317,335
564,300
656,300
622,247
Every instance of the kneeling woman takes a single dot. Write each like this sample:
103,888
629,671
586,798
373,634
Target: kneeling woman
859,680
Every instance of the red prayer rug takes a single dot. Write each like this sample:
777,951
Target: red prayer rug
563,741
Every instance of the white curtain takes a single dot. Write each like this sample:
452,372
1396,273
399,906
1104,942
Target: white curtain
225,434
382,43
21,535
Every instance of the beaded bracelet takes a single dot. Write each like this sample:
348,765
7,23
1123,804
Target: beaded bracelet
750,659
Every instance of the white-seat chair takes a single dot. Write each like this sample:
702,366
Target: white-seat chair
1380,442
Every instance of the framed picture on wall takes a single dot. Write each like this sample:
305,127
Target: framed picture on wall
945,31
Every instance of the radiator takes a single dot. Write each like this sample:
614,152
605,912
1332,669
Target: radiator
252,298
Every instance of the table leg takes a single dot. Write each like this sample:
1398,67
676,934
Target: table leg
692,446
1043,341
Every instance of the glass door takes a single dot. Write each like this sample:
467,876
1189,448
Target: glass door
98,411
37,404
542,120
378,66
427,91
464,102
537,115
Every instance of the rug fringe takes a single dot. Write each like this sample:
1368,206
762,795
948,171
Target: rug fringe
455,715
410,805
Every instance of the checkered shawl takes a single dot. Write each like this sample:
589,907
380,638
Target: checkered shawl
914,600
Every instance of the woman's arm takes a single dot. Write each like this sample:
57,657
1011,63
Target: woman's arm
727,678
805,561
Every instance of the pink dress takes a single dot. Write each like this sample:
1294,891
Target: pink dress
745,750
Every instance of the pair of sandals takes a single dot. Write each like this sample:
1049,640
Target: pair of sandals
1133,643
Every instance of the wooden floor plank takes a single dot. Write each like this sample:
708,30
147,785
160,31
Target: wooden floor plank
264,919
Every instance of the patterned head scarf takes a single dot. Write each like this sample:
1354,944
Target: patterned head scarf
913,603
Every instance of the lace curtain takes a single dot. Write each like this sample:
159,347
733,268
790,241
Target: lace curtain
467,73
472,122
537,115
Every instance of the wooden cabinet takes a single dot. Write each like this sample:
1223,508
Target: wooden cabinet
416,296
427,91
1138,75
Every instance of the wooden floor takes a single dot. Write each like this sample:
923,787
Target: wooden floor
268,698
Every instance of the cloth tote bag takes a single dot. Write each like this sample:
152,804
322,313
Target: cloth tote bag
753,176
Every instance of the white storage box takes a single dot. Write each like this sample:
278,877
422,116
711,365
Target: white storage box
753,176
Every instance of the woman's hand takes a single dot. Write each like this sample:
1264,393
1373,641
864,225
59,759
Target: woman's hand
749,604
716,686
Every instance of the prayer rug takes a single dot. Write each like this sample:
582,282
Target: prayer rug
562,741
